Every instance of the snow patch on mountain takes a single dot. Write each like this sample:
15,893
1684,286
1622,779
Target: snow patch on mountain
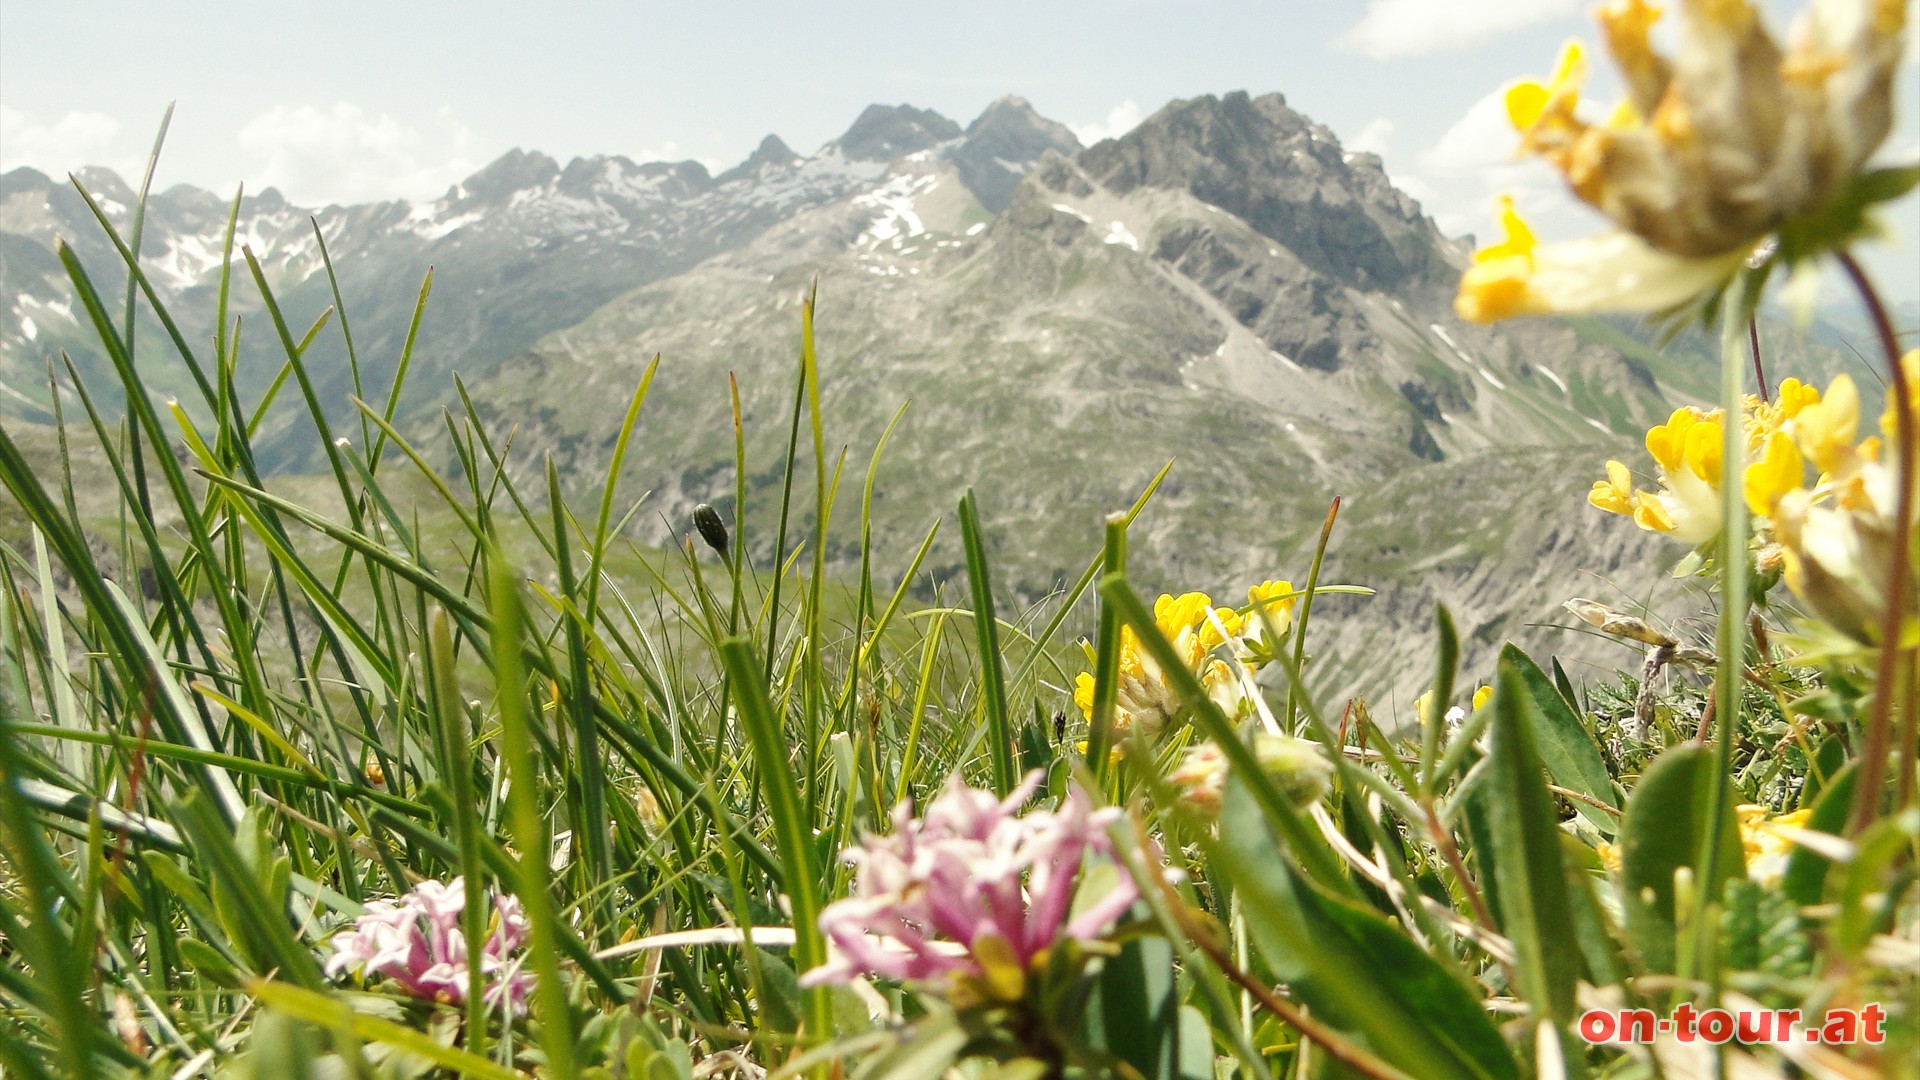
894,200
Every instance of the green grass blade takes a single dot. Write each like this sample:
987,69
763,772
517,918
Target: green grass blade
400,372
529,826
993,684
789,821
450,729
335,1014
35,870
1106,651
1306,606
1446,665
586,772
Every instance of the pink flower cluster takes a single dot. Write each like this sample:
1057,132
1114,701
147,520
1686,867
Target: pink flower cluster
417,942
972,868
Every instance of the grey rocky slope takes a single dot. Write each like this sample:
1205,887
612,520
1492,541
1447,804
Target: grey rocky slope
1225,288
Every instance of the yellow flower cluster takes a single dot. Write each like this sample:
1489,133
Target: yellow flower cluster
1713,149
1825,500
1766,840
1687,449
1835,533
1198,630
1455,715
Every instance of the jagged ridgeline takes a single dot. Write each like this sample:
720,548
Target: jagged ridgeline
1224,286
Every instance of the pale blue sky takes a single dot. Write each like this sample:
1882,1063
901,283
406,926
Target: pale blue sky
354,100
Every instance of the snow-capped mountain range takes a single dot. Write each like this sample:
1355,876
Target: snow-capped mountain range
1224,286
522,247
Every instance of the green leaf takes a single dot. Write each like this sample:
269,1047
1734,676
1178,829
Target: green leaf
1355,970
329,1011
1664,829
1524,858
1566,747
207,960
924,1052
1863,894
783,1004
1195,1061
1135,1011
1806,874
1593,927
251,906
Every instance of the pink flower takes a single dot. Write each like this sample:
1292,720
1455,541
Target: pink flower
417,941
970,890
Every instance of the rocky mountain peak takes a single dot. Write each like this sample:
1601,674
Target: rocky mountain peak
1284,175
886,132
772,153
23,179
104,183
515,170
1002,144
594,177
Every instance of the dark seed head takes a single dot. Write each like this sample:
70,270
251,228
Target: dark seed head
712,529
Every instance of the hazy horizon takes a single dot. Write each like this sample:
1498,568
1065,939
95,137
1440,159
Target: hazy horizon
374,113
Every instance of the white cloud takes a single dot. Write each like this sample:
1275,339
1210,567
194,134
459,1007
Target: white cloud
1483,138
341,154
75,140
1374,138
1121,119
666,151
1474,161
673,153
1395,28
1421,191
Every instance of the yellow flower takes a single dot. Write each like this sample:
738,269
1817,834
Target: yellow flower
1778,471
1688,450
1730,140
1610,272
1615,493
1766,841
1910,364
1277,599
1835,537
1455,715
1196,629
1826,430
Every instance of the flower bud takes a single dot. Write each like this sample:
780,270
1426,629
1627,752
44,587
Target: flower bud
712,529
1201,778
1296,765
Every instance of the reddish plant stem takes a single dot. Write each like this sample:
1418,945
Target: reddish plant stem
1909,740
1873,751
1759,370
